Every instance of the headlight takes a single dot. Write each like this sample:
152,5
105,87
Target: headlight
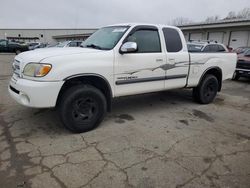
36,69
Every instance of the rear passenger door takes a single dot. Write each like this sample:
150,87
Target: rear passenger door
177,64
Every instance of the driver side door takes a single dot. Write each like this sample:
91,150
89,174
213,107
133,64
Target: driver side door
140,71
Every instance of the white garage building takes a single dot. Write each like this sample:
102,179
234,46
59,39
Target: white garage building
45,35
233,33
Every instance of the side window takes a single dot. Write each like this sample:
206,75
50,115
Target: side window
79,43
207,49
72,44
214,48
172,40
211,48
3,43
147,40
247,53
221,48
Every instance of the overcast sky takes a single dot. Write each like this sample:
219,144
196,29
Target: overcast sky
96,13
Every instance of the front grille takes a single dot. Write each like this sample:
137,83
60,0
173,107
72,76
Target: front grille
16,67
243,65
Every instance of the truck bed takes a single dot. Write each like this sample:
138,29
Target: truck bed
200,62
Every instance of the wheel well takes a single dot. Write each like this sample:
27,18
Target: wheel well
95,81
216,71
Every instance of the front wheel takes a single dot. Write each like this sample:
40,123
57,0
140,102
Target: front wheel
82,108
207,90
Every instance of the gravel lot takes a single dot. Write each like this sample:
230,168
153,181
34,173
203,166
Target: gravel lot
155,140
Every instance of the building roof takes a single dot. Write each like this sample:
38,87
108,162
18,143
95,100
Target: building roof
216,24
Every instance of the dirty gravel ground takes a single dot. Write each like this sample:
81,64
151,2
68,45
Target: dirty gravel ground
155,140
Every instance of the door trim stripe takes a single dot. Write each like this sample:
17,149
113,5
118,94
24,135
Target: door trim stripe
151,79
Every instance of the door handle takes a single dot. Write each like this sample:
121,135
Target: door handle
159,60
171,61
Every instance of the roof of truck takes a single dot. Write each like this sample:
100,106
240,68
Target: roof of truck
143,24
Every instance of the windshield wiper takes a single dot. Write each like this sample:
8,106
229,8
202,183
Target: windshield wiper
94,46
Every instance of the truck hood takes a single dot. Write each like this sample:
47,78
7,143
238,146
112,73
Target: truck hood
41,54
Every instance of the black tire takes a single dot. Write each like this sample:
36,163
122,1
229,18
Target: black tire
207,90
18,52
236,76
82,108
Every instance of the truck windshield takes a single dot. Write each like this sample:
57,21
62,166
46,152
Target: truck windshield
105,38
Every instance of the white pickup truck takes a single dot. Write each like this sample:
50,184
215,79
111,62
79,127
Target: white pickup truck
117,60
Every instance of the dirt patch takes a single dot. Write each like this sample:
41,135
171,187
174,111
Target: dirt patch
185,122
40,111
119,121
126,117
239,136
219,101
202,115
207,159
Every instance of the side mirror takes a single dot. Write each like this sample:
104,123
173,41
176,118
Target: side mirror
128,47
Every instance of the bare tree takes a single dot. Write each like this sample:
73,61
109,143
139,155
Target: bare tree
212,19
231,15
244,13
180,21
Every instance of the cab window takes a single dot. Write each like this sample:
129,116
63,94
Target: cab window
148,40
172,40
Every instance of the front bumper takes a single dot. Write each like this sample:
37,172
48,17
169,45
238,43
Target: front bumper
33,93
243,72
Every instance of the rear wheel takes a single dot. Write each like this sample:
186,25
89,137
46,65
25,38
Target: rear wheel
82,108
207,90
